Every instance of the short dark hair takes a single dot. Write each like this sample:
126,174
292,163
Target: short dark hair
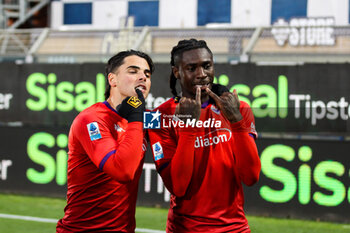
117,60
176,55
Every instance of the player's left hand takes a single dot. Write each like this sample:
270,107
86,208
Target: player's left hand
228,103
132,107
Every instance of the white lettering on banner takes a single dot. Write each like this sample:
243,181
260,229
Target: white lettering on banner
5,100
4,164
305,31
317,109
152,102
149,167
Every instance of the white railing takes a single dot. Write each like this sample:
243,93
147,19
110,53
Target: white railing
263,44
13,13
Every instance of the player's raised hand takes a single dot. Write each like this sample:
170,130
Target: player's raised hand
228,103
132,107
189,108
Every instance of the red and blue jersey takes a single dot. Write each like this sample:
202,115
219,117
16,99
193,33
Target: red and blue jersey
105,162
204,168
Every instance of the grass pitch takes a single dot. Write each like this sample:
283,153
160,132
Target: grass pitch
146,218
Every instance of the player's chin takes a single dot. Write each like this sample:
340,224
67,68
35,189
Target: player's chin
145,93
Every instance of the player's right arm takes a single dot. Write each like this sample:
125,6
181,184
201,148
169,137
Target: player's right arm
174,153
118,160
173,158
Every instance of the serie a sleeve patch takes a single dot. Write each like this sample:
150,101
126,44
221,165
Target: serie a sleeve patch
94,131
157,151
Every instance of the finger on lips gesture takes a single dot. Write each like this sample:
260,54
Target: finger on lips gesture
228,103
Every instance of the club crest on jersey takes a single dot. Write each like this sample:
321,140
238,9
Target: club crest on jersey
214,109
94,131
134,101
177,99
157,151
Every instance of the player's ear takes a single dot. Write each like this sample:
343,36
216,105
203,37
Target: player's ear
175,70
112,79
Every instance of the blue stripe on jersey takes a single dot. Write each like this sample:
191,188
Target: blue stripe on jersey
252,135
109,106
104,160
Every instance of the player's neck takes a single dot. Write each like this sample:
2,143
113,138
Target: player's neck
114,102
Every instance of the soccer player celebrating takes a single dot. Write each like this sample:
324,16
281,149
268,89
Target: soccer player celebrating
106,151
204,165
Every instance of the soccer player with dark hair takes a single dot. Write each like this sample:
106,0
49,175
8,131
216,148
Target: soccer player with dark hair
106,151
204,165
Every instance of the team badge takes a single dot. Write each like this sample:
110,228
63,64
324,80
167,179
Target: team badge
134,101
94,131
177,99
157,151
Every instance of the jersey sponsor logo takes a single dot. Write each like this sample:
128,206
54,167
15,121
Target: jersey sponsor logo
94,131
151,120
157,151
213,138
134,102
214,109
